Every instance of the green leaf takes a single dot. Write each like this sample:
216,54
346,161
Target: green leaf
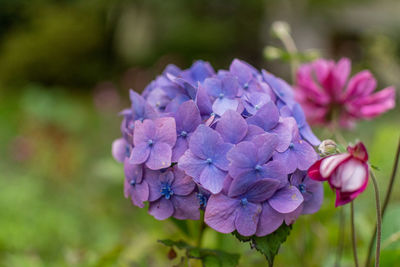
267,245
209,257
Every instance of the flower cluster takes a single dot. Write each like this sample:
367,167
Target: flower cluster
233,143
326,94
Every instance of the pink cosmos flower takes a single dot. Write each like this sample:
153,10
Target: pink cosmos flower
326,93
347,173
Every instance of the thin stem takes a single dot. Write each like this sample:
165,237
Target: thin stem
353,234
340,244
203,226
385,203
290,46
378,220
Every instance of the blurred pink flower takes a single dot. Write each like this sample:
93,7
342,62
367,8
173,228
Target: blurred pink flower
346,173
326,94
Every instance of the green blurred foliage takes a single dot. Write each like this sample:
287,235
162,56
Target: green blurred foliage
61,200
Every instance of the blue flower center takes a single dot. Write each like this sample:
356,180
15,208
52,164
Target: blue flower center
244,201
141,119
202,199
257,107
127,151
166,191
246,86
302,188
150,142
131,125
209,161
212,114
258,168
184,133
291,145
132,182
221,95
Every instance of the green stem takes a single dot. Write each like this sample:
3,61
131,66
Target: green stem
378,220
385,203
339,249
203,226
353,234
290,46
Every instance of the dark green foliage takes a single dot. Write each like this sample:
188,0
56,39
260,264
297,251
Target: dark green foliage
209,257
267,245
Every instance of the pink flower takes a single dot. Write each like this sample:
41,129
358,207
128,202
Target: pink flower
347,173
326,94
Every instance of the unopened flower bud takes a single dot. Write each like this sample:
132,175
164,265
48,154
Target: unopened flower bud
280,28
327,147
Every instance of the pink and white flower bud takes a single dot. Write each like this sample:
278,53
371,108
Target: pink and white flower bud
346,173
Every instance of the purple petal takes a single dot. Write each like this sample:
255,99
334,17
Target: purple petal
284,130
192,165
275,170
139,194
289,160
313,196
119,149
241,70
160,156
232,127
307,134
153,180
183,185
179,149
212,179
266,144
220,213
292,216
306,155
203,101
133,172
262,190
161,209
187,117
267,117
203,141
166,130
223,104
140,153
247,219
253,131
255,101
241,183
219,159
269,221
243,155
286,199
186,207
144,131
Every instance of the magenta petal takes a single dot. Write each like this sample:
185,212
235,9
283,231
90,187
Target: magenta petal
160,156
161,209
247,219
286,199
140,153
220,213
186,207
119,149
232,127
269,221
212,179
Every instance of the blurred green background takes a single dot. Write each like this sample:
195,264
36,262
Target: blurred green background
65,70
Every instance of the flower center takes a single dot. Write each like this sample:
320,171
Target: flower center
244,201
258,168
132,182
183,133
131,125
209,161
291,145
166,191
246,86
202,199
221,95
150,142
127,151
302,188
257,107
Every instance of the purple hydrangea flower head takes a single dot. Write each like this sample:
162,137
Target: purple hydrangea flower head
172,194
233,143
205,160
153,140
135,187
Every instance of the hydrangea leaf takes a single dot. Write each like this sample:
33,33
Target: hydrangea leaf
208,257
267,245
